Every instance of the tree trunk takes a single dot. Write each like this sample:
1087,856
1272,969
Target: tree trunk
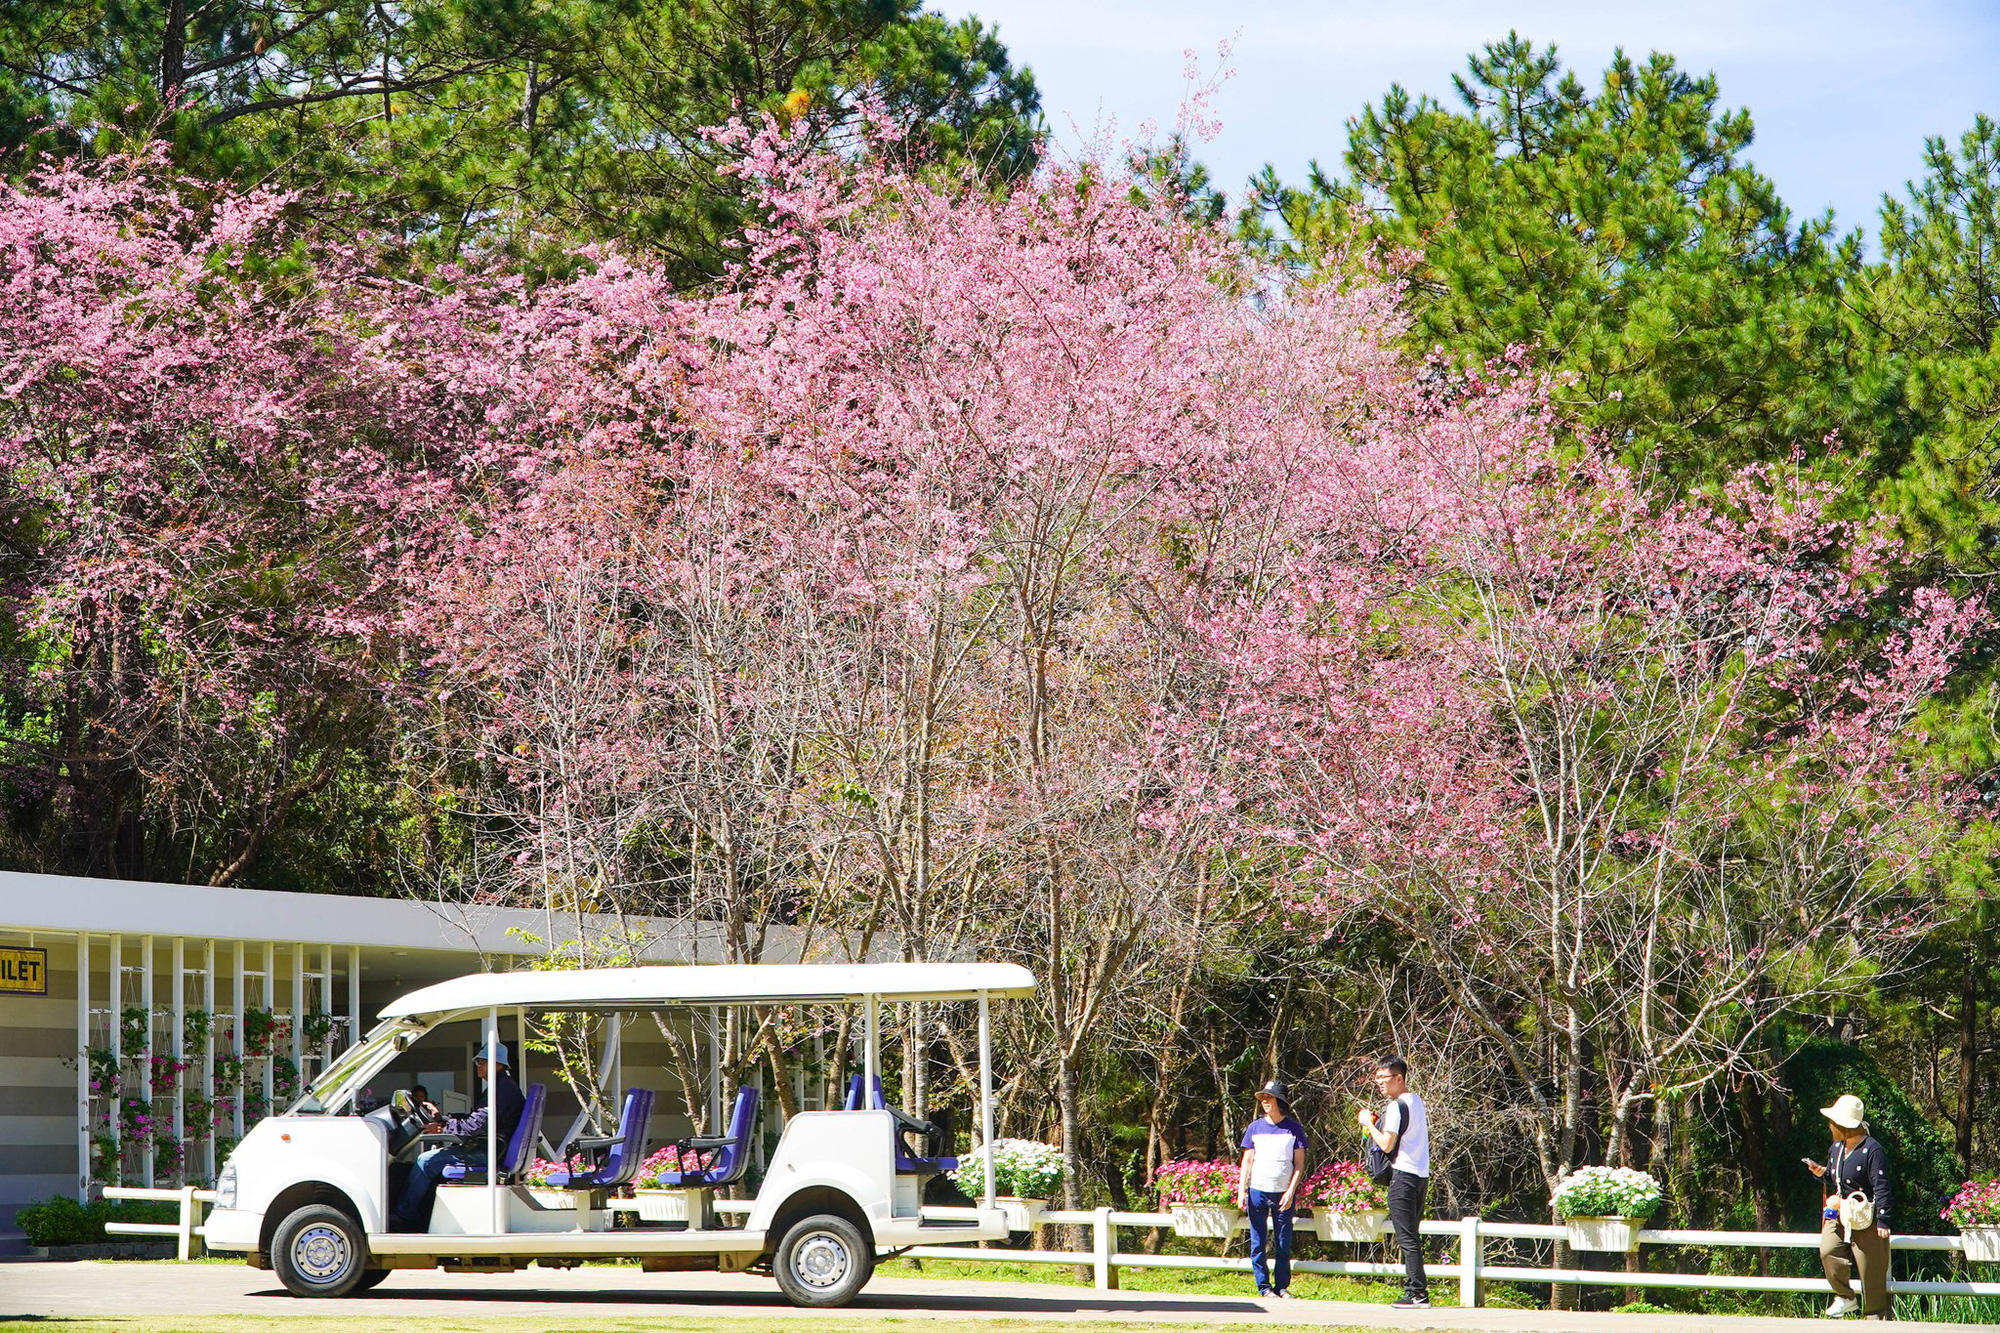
1968,1051
173,51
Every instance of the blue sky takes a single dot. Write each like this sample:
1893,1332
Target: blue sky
1842,93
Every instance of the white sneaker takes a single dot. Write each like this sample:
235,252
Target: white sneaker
1842,1307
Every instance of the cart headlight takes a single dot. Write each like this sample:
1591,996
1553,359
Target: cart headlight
225,1186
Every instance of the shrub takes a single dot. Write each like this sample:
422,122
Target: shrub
61,1220
1022,1168
1197,1183
1607,1191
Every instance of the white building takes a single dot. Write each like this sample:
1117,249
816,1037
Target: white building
204,976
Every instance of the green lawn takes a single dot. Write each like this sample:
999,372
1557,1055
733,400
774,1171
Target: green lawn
1186,1281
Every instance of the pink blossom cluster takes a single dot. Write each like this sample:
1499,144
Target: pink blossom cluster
1210,1182
670,1159
1977,1204
1342,1187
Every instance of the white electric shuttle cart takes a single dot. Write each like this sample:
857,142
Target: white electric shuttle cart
306,1193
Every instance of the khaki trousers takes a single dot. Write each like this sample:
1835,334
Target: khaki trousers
1867,1254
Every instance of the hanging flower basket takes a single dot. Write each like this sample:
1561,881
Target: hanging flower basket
1975,1211
1604,1235
1205,1221
1022,1214
1201,1196
1345,1203
1604,1207
1369,1224
1982,1244
662,1205
1026,1175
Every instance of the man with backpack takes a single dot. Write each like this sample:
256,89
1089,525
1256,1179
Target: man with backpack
1399,1156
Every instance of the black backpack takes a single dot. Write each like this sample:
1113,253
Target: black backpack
1381,1166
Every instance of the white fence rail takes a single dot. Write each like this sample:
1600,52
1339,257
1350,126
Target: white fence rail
188,1197
1104,1258
1472,1270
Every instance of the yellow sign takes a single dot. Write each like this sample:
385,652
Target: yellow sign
24,971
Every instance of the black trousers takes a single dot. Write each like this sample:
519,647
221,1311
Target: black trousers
1406,1210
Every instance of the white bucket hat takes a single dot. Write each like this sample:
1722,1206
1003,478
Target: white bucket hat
487,1053
1845,1112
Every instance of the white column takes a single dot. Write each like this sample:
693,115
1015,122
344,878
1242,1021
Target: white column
146,1058
115,1003
327,1044
353,996
871,1050
715,1125
236,1044
986,1094
493,1124
83,1063
179,1044
269,1003
208,1162
299,962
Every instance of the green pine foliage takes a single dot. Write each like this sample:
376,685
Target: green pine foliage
1617,231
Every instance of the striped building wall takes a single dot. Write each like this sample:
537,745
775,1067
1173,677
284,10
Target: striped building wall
38,1102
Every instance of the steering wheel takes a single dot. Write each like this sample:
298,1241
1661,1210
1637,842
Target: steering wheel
409,1121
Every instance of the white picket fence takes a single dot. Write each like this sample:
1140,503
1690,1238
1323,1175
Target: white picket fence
1105,1258
191,1201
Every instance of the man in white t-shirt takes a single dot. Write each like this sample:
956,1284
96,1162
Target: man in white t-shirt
1402,1128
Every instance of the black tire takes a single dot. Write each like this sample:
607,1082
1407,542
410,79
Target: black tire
320,1251
371,1280
823,1262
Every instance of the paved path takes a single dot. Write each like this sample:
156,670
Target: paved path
143,1292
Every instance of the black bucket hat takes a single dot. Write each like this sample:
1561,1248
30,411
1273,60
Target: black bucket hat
1278,1090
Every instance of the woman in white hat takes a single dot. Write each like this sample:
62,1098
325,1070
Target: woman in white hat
1854,1222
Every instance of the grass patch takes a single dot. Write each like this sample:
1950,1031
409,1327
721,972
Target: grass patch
1177,1281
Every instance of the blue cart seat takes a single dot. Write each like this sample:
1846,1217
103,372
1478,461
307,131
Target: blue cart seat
728,1154
614,1159
518,1152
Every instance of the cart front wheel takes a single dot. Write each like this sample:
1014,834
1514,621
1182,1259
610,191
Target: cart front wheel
823,1261
320,1251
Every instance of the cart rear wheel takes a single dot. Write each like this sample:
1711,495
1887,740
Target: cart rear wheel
320,1251
823,1261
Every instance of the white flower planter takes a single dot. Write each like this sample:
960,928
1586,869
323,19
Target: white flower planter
1982,1244
662,1205
1022,1214
545,1197
1205,1221
1605,1235
1368,1225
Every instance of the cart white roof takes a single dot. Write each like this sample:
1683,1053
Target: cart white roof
650,987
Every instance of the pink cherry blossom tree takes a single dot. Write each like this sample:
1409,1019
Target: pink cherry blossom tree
207,491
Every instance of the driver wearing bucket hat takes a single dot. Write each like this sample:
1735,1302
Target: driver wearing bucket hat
413,1205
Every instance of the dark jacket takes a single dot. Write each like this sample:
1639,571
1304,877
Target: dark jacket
472,1127
1865,1169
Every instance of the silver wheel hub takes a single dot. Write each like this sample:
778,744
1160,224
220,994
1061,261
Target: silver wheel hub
820,1260
320,1254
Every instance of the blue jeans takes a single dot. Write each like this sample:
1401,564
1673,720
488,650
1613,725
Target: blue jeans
413,1210
1270,1240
